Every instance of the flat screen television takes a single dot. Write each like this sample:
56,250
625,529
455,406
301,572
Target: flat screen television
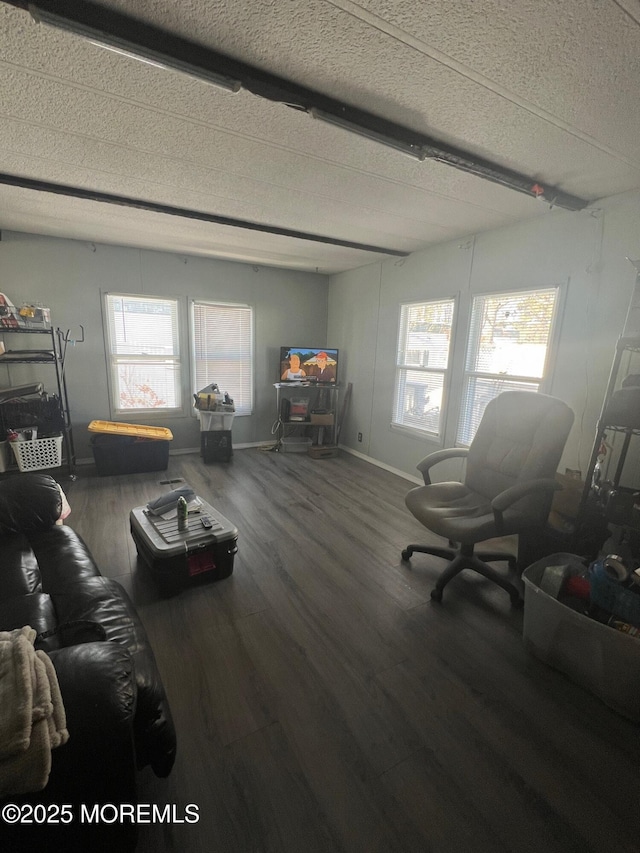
317,365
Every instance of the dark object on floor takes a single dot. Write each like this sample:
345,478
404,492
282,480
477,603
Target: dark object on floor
508,487
125,454
215,445
118,716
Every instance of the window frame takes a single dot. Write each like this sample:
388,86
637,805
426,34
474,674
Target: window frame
213,303
543,383
402,367
114,359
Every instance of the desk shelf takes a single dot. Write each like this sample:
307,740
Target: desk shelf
322,406
605,502
52,354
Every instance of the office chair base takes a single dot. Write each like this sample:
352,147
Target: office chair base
473,561
445,553
465,558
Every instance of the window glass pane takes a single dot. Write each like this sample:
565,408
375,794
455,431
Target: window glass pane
425,334
424,339
510,333
420,402
147,385
223,351
509,337
143,345
141,325
477,393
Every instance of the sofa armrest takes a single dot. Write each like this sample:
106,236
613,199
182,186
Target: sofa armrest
104,601
98,687
97,764
29,502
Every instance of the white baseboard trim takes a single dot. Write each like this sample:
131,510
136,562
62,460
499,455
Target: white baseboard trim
418,480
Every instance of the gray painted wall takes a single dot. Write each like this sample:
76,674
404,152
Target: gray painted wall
356,311
586,252
69,276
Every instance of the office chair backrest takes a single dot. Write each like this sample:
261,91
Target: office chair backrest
521,437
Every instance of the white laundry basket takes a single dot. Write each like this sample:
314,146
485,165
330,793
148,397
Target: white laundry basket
38,454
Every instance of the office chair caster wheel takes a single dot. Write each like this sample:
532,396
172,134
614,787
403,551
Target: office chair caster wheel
436,594
406,554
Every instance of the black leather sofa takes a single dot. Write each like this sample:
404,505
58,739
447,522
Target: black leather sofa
117,712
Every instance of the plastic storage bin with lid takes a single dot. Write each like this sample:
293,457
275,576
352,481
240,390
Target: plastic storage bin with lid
120,448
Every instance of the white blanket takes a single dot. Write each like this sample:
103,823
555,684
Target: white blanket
32,718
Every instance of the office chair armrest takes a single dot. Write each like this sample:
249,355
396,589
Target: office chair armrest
439,456
505,499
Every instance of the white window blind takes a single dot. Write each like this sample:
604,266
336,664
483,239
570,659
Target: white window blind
222,340
507,350
144,353
424,339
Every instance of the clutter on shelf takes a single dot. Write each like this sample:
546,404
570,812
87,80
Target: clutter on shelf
29,407
28,316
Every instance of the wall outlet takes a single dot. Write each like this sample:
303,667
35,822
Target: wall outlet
359,436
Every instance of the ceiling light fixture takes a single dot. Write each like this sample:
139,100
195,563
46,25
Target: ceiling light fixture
134,50
129,55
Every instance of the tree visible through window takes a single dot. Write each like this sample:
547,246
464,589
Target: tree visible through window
142,334
424,339
507,350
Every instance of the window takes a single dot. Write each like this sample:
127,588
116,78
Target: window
144,353
424,339
222,340
507,350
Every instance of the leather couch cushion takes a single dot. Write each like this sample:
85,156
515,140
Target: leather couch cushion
29,502
62,558
19,573
104,601
35,609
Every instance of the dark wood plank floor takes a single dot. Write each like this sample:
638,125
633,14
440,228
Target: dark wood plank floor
324,703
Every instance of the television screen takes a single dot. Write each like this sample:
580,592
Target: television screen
317,365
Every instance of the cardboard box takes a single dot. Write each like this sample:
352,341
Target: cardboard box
323,451
322,420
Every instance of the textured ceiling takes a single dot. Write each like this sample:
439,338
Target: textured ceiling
547,89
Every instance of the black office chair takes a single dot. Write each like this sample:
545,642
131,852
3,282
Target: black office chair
508,487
